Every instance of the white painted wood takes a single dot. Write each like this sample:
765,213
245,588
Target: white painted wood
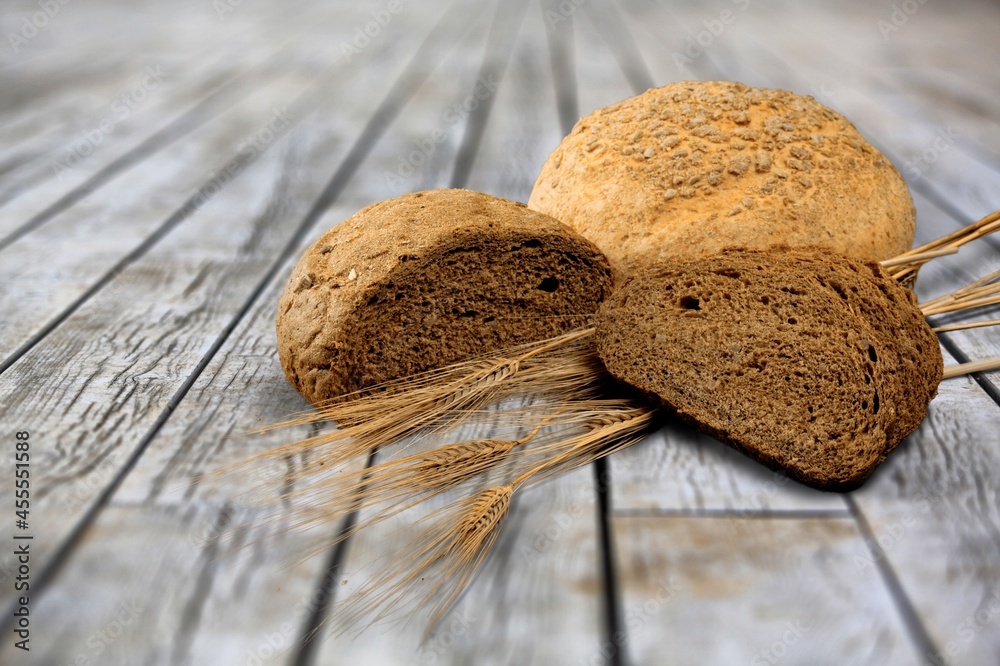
243,602
104,390
753,591
61,124
45,272
936,515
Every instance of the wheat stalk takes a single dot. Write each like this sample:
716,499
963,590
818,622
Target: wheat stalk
447,554
905,266
439,400
979,293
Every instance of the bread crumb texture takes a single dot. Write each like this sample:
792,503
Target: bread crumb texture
427,279
811,362
696,167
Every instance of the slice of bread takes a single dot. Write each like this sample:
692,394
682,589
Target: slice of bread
700,166
427,279
808,361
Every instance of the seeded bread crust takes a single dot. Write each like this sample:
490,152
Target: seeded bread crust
426,279
807,361
693,168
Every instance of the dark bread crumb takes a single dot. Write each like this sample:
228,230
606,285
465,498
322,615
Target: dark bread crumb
808,361
427,279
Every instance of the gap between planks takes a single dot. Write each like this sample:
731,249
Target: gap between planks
407,84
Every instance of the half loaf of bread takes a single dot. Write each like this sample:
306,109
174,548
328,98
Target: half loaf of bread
808,361
427,279
697,167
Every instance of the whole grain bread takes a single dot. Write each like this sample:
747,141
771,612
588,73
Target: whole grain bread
811,362
427,279
697,167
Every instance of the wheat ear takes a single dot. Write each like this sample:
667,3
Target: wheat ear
445,555
438,400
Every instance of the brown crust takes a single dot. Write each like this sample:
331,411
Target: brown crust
696,167
426,279
807,361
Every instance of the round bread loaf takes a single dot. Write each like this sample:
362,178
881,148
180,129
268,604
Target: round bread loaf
427,279
692,168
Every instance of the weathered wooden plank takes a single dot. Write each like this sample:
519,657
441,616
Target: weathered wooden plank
753,590
932,59
52,110
109,372
956,444
166,94
243,600
934,515
600,81
46,272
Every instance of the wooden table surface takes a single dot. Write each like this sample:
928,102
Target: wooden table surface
162,165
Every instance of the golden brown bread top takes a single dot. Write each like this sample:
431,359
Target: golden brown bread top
695,167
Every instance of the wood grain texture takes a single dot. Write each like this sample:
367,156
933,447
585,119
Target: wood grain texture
236,392
137,380
753,591
139,351
144,101
934,517
45,273
963,421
